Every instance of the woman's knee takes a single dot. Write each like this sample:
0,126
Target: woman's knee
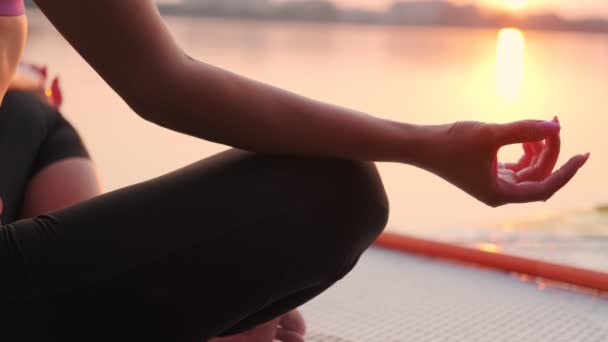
360,224
363,184
358,210
330,211
362,204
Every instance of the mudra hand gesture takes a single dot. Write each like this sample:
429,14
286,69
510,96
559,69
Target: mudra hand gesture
465,154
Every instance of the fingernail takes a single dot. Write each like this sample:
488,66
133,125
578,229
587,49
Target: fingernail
549,127
584,159
556,119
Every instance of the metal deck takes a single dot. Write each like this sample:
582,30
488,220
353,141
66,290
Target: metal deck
391,296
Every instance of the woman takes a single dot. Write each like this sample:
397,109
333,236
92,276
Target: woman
50,168
237,239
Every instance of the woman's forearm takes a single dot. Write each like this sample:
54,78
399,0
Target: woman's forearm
220,106
139,58
127,43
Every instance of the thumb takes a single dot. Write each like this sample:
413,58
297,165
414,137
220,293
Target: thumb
525,131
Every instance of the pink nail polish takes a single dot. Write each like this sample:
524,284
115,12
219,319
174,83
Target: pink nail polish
549,127
11,8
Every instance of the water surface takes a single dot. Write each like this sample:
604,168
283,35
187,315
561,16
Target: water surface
418,75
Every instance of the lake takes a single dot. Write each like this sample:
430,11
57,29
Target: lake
411,74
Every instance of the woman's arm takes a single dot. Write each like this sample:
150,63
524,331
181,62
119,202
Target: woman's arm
130,47
12,40
59,185
164,86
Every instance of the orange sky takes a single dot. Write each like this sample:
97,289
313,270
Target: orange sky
568,8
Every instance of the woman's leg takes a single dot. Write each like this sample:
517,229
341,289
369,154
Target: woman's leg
214,248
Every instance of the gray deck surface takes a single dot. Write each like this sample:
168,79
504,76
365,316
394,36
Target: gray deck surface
391,296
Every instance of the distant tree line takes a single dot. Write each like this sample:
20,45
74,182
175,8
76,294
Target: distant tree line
422,13
317,10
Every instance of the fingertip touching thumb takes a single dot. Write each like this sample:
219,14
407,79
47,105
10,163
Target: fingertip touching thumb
547,128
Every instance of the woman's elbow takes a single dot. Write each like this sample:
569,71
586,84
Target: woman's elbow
148,87
146,104
152,98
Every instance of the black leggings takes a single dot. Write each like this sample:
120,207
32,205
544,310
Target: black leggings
32,137
212,249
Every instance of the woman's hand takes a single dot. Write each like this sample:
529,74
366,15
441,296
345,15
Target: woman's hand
465,154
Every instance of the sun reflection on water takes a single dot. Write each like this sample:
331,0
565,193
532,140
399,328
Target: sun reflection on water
510,52
489,247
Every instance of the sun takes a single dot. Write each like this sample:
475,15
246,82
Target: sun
514,5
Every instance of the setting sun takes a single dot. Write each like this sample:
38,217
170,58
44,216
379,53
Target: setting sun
514,4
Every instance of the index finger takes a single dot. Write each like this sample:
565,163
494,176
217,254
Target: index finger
550,154
543,166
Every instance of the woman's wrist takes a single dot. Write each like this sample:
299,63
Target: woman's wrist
419,143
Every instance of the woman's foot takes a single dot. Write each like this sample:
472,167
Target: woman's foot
288,328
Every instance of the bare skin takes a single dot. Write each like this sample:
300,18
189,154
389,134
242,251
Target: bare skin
219,106
60,185
287,328
12,41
